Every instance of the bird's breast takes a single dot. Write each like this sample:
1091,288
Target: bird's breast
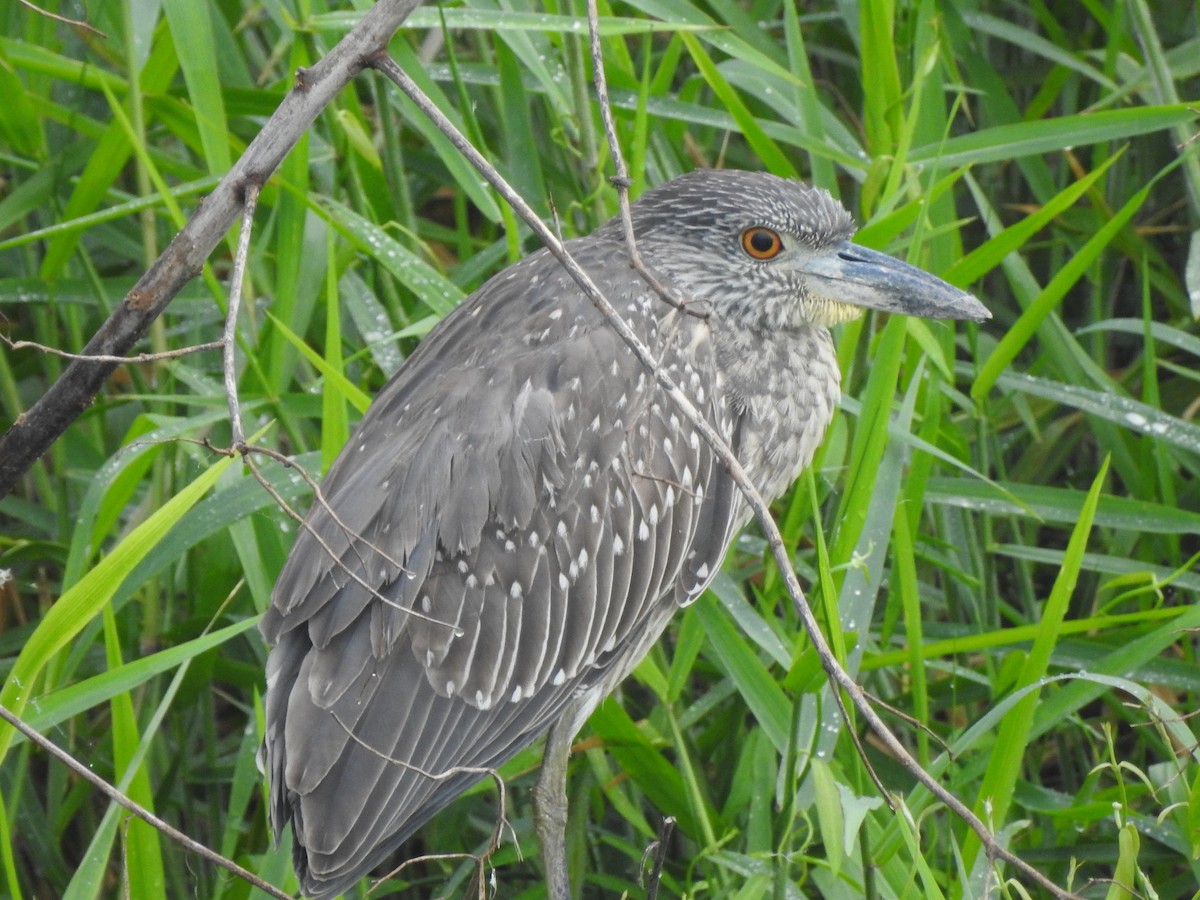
784,393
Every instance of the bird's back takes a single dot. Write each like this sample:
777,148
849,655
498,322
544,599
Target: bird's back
513,522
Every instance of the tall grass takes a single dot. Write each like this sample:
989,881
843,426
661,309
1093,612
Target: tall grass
1000,533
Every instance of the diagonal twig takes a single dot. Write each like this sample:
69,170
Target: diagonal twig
622,183
621,180
74,23
38,427
136,808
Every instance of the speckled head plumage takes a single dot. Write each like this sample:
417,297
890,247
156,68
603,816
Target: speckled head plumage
692,230
710,203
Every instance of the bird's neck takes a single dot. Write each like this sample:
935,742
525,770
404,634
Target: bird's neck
782,394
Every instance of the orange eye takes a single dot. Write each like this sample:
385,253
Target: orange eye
761,243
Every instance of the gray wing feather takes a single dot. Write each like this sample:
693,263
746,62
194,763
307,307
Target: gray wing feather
501,548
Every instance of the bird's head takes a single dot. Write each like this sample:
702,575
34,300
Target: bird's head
776,253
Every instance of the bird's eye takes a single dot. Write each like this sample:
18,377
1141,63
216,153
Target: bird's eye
761,243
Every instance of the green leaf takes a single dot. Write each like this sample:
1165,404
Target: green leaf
829,815
430,287
359,398
1007,758
192,33
79,605
755,683
1003,142
1021,332
1124,879
768,151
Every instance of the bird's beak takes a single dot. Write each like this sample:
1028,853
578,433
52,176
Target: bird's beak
848,273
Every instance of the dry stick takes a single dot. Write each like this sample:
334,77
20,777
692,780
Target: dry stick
36,429
115,360
229,338
75,23
754,500
622,183
136,808
497,830
355,539
621,180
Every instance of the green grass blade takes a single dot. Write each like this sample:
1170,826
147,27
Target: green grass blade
1007,757
357,397
1051,135
768,151
75,608
1021,332
191,28
143,863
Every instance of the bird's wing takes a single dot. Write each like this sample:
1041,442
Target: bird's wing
496,539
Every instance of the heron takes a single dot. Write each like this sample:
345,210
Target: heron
523,508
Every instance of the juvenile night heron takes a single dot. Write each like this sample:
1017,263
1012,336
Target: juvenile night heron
522,508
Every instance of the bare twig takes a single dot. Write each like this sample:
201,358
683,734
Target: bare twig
621,181
229,339
74,23
35,430
115,360
720,448
136,808
355,540
913,722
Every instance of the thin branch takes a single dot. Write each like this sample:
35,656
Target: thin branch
754,500
497,830
74,23
38,427
115,360
136,808
354,539
621,181
912,721
229,338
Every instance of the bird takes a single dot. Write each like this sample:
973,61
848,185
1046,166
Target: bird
523,507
